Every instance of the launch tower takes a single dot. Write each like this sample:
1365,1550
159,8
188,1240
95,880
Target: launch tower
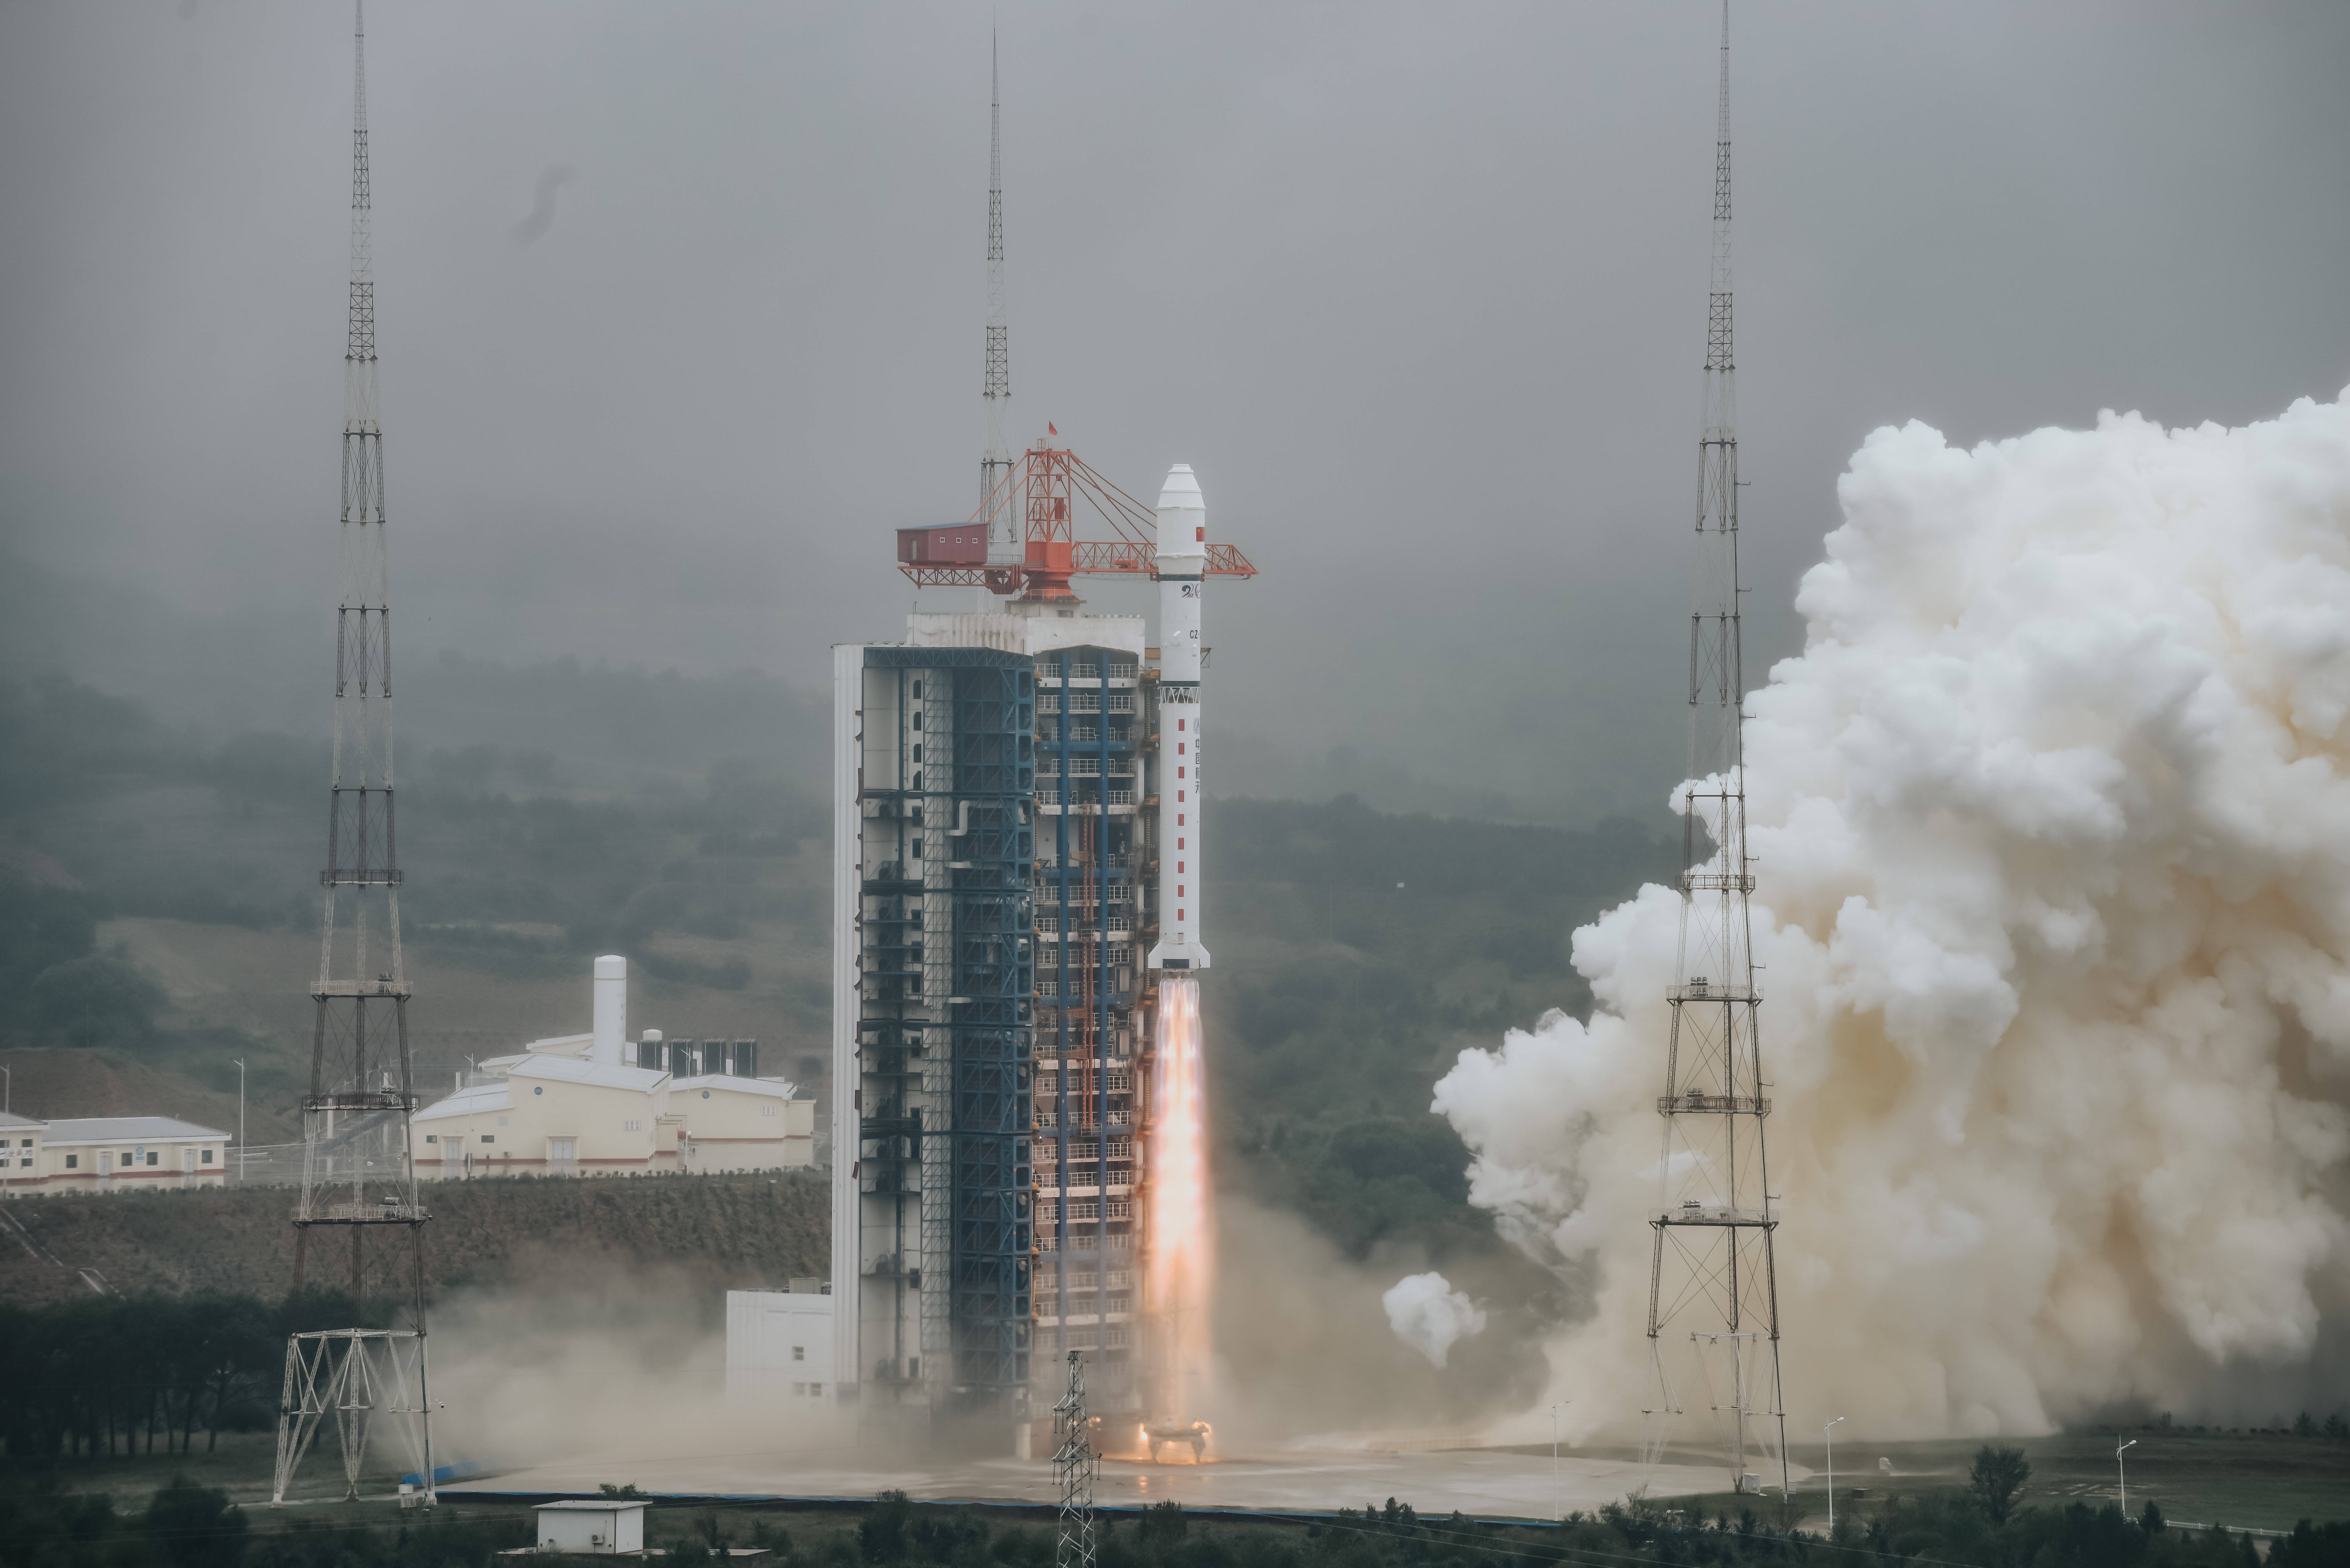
1712,1277
1002,782
1001,779
358,1174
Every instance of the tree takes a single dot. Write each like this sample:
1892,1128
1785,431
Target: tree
195,1527
1163,1522
881,1538
1997,1480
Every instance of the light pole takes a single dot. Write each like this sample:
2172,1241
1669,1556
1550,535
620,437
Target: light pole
8,1091
1828,1432
2121,1470
240,1123
1557,1500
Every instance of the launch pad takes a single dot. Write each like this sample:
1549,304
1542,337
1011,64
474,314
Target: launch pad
1485,1483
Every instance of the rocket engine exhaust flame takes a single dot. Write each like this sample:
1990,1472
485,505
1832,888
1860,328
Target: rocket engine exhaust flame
2052,818
1179,1276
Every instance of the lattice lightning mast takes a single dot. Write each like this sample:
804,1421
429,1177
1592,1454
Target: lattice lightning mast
1713,1271
358,1170
1003,539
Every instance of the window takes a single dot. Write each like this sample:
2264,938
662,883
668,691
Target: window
73,1162
535,1089
208,1157
431,1137
487,1138
632,1126
154,1157
799,1353
766,1110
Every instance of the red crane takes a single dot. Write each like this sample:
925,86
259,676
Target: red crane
1045,485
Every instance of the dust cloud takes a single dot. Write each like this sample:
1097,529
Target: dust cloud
607,1368
2053,837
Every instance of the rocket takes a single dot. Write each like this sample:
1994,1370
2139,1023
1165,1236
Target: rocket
1182,569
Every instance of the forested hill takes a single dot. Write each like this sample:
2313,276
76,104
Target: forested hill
717,1232
1357,953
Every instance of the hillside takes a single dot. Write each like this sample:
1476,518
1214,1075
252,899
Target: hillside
707,1232
156,895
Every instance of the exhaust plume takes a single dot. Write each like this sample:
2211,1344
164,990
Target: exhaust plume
2053,843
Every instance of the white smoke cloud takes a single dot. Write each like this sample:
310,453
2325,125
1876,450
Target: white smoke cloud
1431,1316
2053,829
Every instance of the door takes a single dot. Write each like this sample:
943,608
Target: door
562,1150
106,1165
187,1167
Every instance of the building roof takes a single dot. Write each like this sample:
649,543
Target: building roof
587,1505
774,1088
467,1102
9,1120
564,1070
126,1129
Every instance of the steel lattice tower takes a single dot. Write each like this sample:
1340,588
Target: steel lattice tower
358,1173
1075,1464
1004,543
1713,1274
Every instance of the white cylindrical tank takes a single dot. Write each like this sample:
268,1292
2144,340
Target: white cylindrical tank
1182,568
612,1010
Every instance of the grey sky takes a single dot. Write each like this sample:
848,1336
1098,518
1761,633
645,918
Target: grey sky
1419,290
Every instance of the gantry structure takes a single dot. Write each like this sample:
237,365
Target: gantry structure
359,1174
1712,1275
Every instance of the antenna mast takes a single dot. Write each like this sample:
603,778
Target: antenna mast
357,1169
1713,1271
1004,541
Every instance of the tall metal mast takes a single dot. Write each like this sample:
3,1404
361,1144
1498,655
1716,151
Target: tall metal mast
1712,1275
358,1171
1004,544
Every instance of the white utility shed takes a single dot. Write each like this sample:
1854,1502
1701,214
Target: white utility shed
779,1347
595,1525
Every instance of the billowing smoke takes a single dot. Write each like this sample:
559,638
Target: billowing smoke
1429,1315
2054,840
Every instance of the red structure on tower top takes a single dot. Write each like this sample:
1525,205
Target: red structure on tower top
1046,484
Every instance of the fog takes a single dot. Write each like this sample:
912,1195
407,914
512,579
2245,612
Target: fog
680,311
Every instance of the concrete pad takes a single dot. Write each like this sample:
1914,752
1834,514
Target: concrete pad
1481,1482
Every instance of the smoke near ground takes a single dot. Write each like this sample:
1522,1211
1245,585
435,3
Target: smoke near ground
1429,1315
2053,832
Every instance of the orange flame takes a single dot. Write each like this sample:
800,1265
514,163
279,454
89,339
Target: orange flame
1181,1271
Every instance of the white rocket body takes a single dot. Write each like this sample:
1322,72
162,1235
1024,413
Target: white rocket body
1182,568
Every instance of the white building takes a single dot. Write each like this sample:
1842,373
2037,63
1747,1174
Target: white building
108,1154
600,1527
576,1105
779,1346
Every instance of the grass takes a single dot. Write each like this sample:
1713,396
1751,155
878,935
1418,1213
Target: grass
2266,1481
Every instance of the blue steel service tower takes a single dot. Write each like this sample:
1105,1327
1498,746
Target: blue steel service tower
997,877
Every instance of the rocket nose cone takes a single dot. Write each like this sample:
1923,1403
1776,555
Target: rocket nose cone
1182,490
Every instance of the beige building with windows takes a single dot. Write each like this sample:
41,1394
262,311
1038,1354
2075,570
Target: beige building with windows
579,1104
109,1154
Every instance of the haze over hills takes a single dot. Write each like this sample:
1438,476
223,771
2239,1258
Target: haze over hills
554,812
